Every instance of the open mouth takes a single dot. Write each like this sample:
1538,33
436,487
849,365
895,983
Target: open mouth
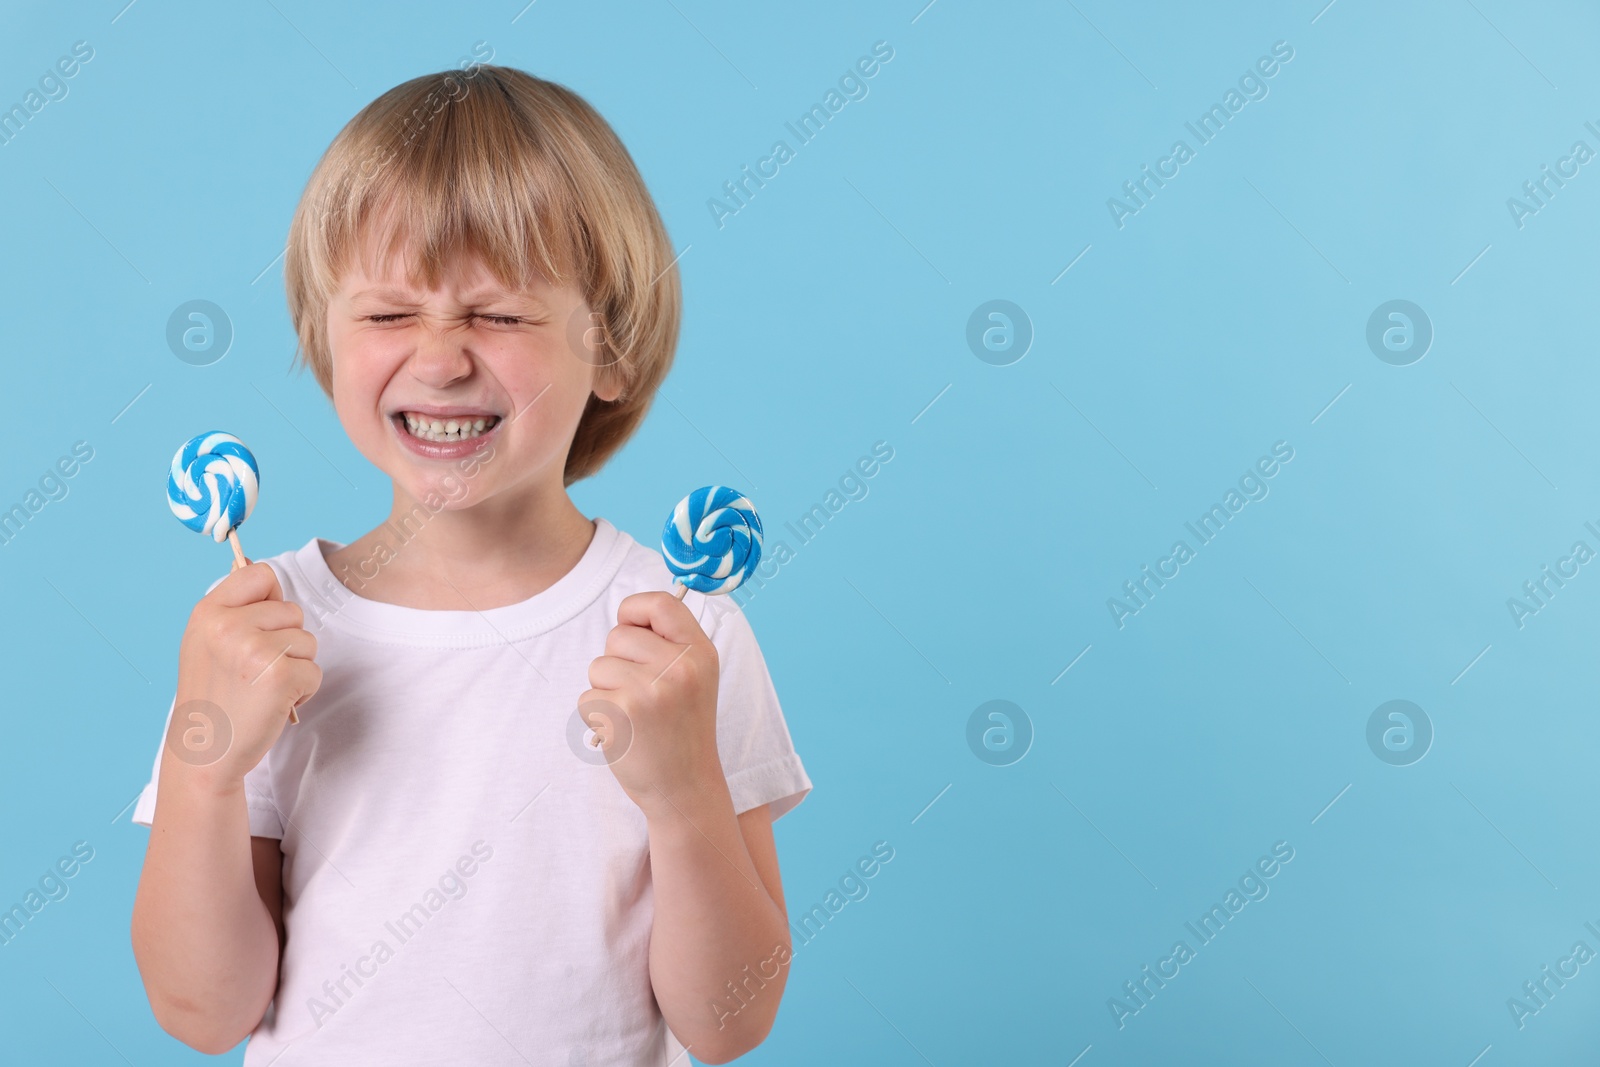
440,431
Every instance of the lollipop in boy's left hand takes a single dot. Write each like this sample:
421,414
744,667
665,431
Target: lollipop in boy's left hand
712,541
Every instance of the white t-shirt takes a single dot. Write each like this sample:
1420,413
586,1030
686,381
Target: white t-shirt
460,885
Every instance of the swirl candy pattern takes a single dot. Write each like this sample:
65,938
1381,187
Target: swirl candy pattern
213,484
712,540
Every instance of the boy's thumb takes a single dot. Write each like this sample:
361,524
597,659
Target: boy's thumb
248,585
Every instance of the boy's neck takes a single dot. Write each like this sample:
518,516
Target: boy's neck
498,552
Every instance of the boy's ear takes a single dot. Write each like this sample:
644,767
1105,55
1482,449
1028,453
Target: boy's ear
591,341
607,384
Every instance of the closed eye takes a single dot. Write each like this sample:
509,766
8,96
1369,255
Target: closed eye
501,320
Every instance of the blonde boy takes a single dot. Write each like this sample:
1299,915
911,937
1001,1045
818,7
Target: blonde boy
436,864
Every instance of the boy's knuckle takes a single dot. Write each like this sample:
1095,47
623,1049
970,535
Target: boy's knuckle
261,653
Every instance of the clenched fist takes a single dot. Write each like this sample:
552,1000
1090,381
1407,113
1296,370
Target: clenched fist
653,701
245,662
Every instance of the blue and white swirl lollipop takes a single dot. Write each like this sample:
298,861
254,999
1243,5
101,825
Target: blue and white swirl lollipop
213,485
712,540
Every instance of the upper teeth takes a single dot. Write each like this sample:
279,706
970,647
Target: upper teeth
431,429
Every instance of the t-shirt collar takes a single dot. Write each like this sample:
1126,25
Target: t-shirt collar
327,601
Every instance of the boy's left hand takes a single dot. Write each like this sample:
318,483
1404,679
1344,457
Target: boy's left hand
653,701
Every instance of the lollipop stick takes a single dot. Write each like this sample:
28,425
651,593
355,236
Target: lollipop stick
238,553
682,589
293,716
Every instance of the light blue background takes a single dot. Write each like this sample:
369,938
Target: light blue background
825,316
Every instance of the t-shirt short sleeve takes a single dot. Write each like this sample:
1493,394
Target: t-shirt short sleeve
265,820
753,740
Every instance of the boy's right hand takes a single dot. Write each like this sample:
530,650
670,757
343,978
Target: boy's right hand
244,662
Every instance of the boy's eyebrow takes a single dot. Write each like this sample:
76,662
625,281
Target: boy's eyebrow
384,294
476,296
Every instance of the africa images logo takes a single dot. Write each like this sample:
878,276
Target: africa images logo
1206,128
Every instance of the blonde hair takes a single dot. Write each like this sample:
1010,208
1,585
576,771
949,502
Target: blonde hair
522,172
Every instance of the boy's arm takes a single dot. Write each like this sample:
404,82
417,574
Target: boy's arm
719,919
719,939
206,936
207,922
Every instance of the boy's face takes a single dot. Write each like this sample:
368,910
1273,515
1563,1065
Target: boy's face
422,380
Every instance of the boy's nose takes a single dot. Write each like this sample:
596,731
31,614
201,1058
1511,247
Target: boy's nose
440,359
